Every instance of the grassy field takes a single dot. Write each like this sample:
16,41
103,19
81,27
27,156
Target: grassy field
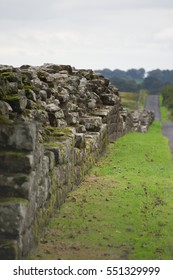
129,100
133,100
123,209
166,114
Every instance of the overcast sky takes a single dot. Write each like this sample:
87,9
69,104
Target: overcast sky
93,34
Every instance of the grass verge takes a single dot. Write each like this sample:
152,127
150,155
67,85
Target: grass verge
123,209
166,114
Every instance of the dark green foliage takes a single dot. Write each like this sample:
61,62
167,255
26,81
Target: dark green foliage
152,84
167,97
129,80
165,76
137,79
136,74
125,85
131,74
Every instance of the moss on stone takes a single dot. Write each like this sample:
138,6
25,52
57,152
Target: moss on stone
5,120
7,200
88,144
20,179
54,131
6,74
42,217
27,87
52,204
13,153
3,91
53,144
11,97
37,226
26,112
37,106
9,250
53,135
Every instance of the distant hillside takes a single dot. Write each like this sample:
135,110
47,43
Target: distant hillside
136,79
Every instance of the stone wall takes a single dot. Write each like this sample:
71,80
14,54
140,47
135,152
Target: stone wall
55,122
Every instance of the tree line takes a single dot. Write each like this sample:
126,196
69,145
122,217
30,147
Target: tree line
134,80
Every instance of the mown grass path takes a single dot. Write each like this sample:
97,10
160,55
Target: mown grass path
123,209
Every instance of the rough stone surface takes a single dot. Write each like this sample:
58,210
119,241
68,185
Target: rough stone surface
141,119
55,122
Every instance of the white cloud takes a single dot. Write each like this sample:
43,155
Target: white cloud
165,34
87,34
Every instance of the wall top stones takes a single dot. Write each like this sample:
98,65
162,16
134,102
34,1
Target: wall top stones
56,95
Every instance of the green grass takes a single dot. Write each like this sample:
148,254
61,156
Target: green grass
142,98
129,100
133,100
166,114
123,209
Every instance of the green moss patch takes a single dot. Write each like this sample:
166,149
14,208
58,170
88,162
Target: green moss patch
56,134
13,153
5,120
7,200
6,74
11,97
27,87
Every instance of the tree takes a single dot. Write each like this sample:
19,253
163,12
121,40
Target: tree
167,94
125,85
153,85
136,74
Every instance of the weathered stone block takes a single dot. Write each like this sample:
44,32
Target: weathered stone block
43,95
92,123
18,136
79,156
12,215
15,162
52,108
51,158
5,108
80,140
30,94
60,153
72,118
59,114
61,123
17,185
9,250
92,104
18,102
109,99
63,96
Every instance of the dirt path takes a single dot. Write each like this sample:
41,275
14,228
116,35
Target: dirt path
152,103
